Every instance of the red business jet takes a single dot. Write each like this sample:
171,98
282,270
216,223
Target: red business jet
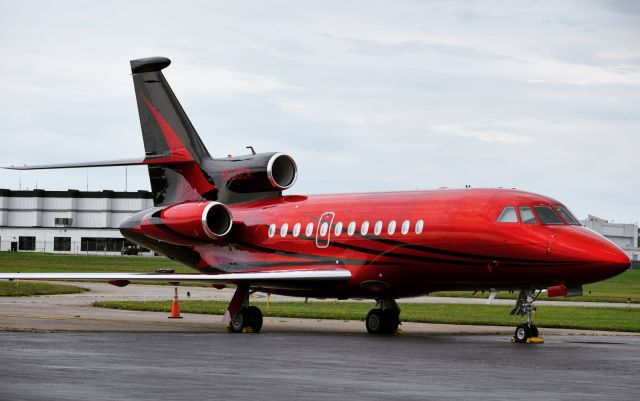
228,219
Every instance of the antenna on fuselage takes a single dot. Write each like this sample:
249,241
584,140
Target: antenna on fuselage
252,151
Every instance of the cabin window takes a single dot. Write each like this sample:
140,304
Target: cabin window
377,228
324,227
284,229
391,229
419,226
272,230
296,230
405,227
508,215
309,230
364,229
338,229
527,216
567,216
547,215
352,228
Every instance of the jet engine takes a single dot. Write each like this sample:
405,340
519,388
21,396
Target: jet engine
188,222
262,172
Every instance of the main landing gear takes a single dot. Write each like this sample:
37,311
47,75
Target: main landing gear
526,332
384,318
243,318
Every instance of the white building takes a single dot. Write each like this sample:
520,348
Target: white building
623,235
67,221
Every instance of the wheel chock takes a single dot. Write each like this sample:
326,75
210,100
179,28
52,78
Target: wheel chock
247,329
530,340
398,332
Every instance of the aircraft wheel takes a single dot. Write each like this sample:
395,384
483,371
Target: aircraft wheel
522,334
255,318
534,331
392,320
239,321
375,321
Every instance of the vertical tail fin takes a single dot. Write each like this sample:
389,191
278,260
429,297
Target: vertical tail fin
168,136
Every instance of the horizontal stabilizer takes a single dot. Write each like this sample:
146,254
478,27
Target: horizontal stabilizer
149,160
267,278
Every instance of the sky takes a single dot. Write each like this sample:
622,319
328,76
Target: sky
542,96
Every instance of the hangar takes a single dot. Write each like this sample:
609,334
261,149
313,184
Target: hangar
69,221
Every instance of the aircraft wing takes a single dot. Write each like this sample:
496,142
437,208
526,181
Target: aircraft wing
272,279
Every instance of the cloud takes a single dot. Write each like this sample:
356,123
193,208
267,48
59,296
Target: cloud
484,134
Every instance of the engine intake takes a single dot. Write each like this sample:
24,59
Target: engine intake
282,171
189,222
263,172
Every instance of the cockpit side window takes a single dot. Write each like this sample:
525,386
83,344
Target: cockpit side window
547,215
527,216
508,215
567,216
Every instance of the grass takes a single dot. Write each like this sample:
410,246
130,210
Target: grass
27,262
610,319
22,289
616,289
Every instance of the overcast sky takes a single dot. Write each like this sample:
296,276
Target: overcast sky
366,96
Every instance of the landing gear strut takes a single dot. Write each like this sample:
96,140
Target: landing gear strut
384,318
243,318
526,332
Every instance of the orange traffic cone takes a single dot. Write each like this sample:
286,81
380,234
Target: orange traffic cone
175,306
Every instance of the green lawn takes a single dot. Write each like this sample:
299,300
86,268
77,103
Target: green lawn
613,319
27,262
616,289
23,288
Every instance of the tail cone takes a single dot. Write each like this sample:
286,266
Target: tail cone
175,306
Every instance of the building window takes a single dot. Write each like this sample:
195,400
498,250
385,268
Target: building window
62,244
27,243
88,244
63,221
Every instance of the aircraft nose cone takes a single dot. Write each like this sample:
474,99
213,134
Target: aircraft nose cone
610,258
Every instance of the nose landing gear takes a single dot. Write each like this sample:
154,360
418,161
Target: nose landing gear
526,332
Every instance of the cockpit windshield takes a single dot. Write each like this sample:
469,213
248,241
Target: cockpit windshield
547,215
567,215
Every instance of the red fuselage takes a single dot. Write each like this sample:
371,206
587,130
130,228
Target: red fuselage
415,243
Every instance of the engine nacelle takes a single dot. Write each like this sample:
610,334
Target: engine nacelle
188,223
262,172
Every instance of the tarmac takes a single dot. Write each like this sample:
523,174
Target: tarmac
61,348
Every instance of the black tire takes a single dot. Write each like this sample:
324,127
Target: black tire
534,331
255,315
522,333
239,321
375,321
391,320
